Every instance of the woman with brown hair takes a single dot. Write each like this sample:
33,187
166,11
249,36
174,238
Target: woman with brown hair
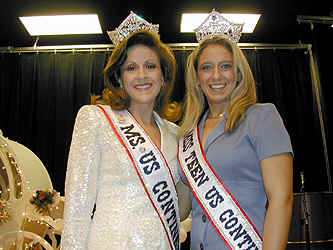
122,158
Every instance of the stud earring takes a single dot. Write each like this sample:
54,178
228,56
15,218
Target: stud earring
121,84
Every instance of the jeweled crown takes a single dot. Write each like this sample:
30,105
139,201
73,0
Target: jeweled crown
217,25
131,24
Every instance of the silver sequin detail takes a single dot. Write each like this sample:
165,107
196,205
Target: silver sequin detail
99,171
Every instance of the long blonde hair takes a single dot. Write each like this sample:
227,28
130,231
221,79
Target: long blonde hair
116,97
243,96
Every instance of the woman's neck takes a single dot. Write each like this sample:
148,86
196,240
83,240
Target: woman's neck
218,109
144,114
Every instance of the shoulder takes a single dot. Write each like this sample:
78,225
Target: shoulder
261,111
261,108
266,130
262,114
93,109
86,110
89,114
264,117
173,128
170,126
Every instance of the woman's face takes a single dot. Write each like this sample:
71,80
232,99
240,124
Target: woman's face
216,74
142,75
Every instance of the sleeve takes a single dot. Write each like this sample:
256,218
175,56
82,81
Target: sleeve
180,171
268,133
81,179
182,176
171,148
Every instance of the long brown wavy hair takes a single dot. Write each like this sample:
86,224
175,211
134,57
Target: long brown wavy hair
117,98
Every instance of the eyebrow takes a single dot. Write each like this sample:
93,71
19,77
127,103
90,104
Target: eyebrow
209,62
147,61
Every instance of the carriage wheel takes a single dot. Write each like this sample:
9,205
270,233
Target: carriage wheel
21,240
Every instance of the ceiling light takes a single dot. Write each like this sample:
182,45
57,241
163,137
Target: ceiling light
62,24
191,21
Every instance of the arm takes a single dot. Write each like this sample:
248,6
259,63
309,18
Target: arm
184,200
277,172
183,191
81,179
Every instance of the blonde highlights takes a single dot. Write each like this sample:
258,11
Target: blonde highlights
243,96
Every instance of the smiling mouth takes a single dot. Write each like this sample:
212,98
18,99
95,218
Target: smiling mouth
218,86
143,86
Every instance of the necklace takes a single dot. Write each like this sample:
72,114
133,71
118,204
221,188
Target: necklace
210,116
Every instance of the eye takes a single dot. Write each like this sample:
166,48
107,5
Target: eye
130,67
151,66
206,67
226,66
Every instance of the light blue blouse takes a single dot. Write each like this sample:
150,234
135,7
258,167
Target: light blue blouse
236,158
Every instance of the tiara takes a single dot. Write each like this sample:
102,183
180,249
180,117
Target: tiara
217,25
131,24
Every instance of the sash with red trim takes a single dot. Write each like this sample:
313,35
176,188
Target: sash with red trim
152,169
222,209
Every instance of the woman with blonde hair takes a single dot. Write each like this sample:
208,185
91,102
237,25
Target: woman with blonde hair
235,154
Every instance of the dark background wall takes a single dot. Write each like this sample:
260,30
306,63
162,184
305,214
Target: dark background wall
40,94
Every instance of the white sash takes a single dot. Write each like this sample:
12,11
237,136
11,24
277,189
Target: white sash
222,209
152,169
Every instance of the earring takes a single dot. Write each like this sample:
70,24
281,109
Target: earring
162,83
121,84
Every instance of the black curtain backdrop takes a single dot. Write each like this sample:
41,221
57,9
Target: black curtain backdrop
322,40
40,94
284,78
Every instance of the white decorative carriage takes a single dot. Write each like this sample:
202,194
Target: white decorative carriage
24,225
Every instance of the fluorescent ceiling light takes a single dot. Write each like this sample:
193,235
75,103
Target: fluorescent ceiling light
191,21
62,24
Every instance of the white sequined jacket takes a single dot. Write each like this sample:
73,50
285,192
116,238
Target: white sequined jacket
100,173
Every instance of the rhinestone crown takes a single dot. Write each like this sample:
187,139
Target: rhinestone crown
131,24
217,25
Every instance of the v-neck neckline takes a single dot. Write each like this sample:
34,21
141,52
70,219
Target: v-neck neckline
214,133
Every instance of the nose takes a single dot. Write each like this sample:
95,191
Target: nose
216,73
141,73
